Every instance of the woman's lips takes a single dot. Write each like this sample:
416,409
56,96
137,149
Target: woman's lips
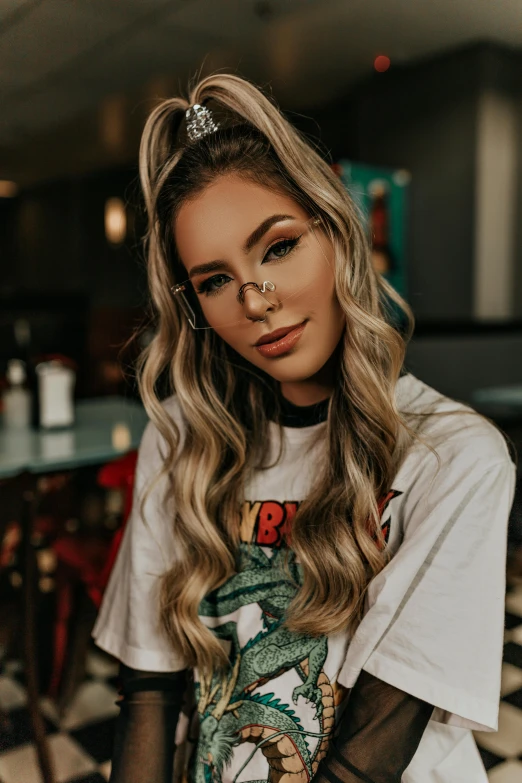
283,345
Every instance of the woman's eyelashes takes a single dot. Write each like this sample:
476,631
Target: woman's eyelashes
214,284
206,286
286,244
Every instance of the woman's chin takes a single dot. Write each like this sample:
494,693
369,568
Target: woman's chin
292,369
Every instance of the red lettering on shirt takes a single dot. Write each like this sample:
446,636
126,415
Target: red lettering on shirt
269,521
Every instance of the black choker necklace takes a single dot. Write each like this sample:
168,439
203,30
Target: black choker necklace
307,415
303,415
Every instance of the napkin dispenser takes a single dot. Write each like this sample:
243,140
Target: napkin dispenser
56,384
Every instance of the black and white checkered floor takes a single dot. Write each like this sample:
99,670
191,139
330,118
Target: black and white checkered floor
81,742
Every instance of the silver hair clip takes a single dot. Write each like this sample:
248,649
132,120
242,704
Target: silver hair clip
200,122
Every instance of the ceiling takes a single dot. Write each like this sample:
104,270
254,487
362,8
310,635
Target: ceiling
77,77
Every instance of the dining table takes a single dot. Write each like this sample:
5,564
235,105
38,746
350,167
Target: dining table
104,429
506,399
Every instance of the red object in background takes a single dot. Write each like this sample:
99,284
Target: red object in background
379,221
381,63
118,474
80,560
93,565
56,357
89,562
9,544
382,256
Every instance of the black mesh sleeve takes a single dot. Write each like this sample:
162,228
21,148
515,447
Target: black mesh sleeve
378,734
150,705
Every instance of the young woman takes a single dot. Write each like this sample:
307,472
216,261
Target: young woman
317,536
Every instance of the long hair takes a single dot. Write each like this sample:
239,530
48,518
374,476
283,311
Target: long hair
226,403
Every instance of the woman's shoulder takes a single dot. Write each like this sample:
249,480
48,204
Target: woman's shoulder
461,467
450,425
153,443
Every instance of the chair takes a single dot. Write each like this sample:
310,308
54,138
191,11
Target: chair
83,569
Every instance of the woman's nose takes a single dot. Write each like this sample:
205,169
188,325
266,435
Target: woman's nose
255,303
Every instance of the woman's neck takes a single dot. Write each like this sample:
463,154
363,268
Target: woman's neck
312,390
296,394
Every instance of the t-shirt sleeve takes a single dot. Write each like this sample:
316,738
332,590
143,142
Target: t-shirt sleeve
435,615
128,624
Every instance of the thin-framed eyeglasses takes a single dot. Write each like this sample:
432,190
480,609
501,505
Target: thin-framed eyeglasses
284,268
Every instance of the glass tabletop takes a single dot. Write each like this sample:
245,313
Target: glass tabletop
104,429
501,395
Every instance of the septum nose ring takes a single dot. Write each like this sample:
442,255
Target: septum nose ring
267,286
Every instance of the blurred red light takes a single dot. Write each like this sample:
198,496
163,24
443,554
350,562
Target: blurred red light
381,63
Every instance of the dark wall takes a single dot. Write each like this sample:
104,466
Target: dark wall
79,295
459,362
423,117
8,210
53,241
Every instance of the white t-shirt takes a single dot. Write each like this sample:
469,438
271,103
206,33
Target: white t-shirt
433,623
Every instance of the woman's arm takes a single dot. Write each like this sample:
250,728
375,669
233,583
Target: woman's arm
150,705
379,732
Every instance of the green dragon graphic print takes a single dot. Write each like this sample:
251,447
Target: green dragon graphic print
230,710
271,714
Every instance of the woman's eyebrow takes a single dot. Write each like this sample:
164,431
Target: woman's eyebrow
256,235
259,232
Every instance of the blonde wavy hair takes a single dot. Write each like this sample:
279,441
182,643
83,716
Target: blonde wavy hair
226,403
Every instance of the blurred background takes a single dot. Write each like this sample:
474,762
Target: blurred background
418,107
